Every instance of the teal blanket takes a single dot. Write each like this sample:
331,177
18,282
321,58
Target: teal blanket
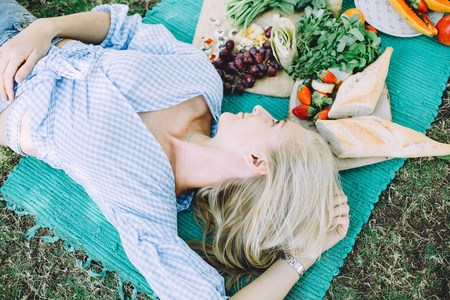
419,71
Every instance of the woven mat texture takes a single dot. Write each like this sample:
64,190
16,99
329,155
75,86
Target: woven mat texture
420,68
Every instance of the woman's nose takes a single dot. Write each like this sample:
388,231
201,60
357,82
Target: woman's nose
259,111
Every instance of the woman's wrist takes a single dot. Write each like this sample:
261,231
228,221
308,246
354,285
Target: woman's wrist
46,27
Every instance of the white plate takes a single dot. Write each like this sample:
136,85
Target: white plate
381,15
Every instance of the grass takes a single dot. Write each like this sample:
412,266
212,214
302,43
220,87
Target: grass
403,252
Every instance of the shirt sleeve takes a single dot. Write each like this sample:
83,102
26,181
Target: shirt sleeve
124,28
172,269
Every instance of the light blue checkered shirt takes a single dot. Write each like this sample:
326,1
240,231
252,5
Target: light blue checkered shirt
83,102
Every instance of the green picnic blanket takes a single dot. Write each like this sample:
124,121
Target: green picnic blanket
420,68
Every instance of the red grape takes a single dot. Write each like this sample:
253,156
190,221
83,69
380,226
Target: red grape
231,69
258,58
227,89
248,81
220,64
221,73
268,32
224,53
229,45
228,78
239,88
269,54
271,72
247,59
266,45
253,51
263,68
274,64
253,69
238,63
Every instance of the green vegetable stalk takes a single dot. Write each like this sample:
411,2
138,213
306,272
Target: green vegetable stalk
243,12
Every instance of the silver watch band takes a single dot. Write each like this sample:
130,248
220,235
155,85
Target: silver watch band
294,264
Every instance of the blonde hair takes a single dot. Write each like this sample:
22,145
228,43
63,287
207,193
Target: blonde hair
253,221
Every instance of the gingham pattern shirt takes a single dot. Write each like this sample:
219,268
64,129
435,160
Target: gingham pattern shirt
83,101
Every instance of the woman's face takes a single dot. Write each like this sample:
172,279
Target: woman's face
256,131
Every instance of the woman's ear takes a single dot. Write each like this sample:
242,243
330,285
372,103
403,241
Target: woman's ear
257,163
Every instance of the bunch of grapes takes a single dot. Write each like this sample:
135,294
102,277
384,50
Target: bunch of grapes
239,70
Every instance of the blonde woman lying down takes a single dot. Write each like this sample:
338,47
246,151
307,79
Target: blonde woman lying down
133,115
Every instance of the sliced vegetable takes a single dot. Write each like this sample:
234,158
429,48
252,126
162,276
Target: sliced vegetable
439,5
323,94
416,19
322,87
284,43
444,30
327,77
304,94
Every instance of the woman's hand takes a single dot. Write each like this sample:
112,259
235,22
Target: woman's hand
21,53
341,221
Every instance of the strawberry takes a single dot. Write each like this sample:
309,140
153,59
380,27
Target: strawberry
304,95
303,111
323,115
420,5
370,28
327,77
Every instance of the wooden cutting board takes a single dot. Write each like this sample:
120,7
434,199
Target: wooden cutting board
278,86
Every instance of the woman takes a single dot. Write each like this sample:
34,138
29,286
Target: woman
135,121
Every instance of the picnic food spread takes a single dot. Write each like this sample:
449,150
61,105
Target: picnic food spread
329,63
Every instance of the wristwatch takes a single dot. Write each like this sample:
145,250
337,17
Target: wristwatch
294,264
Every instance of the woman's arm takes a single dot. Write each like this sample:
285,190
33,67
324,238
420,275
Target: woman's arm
21,53
277,281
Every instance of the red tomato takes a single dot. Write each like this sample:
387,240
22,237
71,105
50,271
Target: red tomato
443,27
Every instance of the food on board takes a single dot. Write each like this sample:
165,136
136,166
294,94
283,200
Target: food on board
439,5
354,11
359,94
347,46
303,111
443,27
322,87
420,5
371,136
416,19
327,77
284,43
304,94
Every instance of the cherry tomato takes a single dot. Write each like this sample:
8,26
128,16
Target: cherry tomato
443,27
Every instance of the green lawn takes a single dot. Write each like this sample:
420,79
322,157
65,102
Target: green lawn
403,252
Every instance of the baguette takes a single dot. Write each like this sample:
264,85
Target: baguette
371,136
358,94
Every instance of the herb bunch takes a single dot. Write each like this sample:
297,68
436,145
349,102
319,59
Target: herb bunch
325,42
243,12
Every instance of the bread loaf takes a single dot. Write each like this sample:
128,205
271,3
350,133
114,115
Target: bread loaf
358,94
370,136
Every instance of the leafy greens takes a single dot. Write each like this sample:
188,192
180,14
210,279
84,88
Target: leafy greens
324,42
